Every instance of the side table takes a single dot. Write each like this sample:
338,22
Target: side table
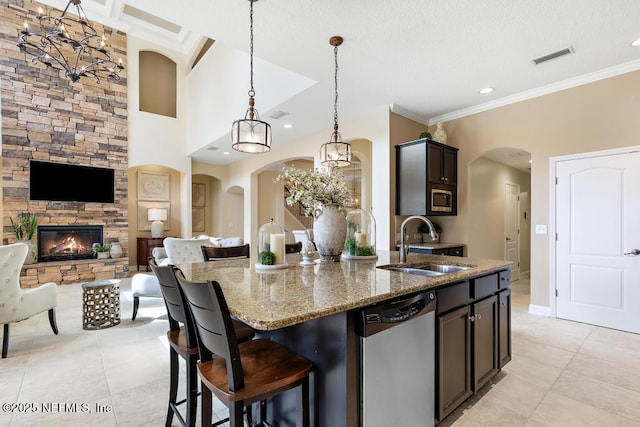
145,246
100,304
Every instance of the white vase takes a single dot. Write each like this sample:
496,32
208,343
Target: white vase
440,135
330,232
116,250
32,254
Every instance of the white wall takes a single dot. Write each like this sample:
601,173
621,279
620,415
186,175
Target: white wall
218,87
156,139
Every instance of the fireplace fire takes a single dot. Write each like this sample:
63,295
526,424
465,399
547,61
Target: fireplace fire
67,242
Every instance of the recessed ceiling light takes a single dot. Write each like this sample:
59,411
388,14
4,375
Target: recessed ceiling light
486,90
226,153
635,43
288,126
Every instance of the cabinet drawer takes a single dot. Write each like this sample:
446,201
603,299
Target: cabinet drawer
505,279
453,296
484,286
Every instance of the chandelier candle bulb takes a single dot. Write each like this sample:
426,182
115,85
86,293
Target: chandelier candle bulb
276,243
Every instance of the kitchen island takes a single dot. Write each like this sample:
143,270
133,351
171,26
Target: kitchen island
313,311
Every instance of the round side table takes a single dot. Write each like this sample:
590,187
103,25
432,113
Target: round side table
100,304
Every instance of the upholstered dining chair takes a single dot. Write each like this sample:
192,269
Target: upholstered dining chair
293,248
182,341
17,304
184,251
240,374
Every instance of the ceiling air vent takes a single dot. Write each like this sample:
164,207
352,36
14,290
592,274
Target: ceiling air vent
278,114
557,54
212,148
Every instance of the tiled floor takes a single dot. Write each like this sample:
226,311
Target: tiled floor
562,373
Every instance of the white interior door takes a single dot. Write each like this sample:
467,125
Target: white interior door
597,211
511,232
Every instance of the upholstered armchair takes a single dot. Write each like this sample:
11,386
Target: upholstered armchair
17,304
175,251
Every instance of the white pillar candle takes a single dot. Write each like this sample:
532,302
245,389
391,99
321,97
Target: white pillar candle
361,239
277,247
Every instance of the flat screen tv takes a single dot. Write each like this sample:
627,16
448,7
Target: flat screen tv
70,183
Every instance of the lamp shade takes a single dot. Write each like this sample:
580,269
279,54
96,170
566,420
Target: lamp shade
156,214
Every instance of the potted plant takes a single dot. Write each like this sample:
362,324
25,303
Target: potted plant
102,251
424,229
24,228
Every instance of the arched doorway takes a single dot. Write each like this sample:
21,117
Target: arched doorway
499,208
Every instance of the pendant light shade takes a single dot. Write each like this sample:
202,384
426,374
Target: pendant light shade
251,135
335,153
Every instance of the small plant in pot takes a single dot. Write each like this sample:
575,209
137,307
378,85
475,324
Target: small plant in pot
24,228
424,229
102,251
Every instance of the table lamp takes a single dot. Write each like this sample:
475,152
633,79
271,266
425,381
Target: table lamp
157,216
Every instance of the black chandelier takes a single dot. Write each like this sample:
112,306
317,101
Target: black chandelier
335,153
71,44
251,135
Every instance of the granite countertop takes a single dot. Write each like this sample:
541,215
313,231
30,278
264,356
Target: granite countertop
274,299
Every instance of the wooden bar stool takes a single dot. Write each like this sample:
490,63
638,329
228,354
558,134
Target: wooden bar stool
182,340
240,374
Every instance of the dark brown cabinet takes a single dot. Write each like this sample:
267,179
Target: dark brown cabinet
473,336
442,162
504,327
454,251
453,372
425,168
484,319
145,246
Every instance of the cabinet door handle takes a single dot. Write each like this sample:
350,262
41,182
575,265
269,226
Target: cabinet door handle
634,252
472,318
478,316
444,178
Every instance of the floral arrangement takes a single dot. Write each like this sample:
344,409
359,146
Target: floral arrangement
315,188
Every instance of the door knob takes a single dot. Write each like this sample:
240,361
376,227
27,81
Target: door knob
634,252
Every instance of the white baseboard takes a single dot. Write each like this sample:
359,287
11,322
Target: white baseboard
540,310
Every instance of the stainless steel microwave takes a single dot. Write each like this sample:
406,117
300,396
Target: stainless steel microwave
441,200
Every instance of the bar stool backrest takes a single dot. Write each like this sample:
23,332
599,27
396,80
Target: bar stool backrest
177,308
213,326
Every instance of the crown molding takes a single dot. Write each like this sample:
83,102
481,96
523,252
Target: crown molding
543,90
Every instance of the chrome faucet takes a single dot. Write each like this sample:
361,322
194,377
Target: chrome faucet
405,249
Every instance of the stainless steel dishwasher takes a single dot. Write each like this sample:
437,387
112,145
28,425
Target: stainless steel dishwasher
398,361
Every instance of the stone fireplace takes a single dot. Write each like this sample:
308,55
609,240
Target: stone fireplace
46,118
67,242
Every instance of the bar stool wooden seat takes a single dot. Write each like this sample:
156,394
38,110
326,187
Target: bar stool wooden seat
240,374
183,343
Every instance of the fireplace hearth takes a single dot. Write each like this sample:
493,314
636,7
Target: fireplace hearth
67,242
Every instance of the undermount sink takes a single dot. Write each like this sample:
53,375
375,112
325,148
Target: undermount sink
426,269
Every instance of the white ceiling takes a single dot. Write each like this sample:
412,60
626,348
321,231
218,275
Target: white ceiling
426,58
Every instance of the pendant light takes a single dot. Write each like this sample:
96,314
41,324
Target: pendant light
335,153
251,135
